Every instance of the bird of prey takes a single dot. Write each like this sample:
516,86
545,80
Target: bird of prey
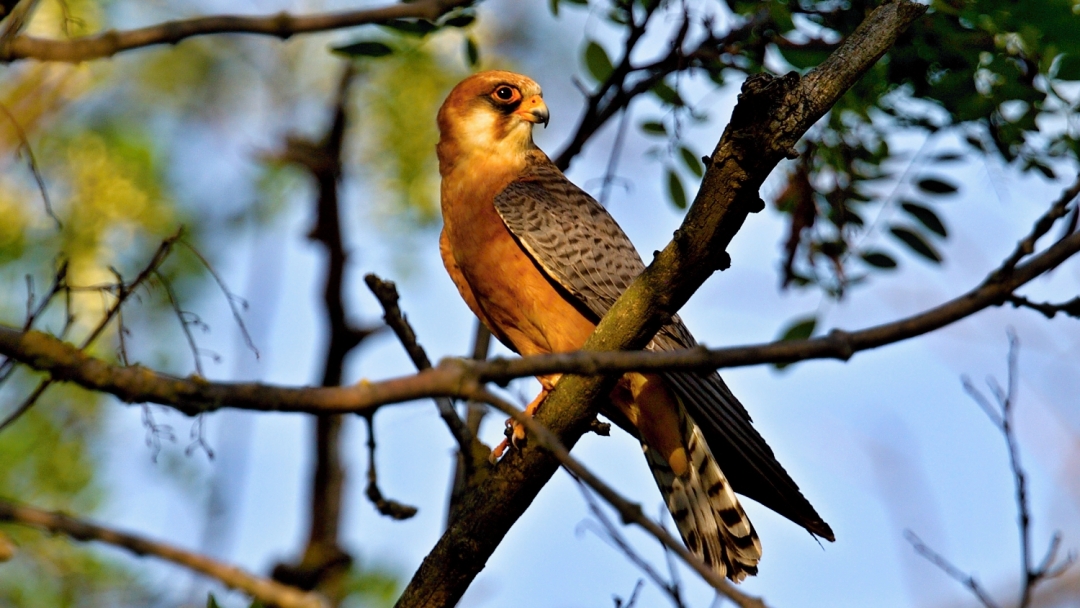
540,262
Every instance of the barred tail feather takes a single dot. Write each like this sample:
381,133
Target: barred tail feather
709,517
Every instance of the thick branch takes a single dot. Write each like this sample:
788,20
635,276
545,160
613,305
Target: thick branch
282,25
770,118
194,394
266,591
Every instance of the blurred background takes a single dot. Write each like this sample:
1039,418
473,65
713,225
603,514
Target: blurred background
916,187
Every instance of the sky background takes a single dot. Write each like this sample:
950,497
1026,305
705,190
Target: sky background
883,443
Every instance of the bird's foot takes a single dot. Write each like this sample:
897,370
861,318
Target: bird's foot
515,431
515,438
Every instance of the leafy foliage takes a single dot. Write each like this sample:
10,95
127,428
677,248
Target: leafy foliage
986,73
981,71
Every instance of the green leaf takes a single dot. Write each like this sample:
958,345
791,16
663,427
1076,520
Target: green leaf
916,242
926,217
666,94
412,28
211,602
932,185
1068,67
256,604
798,329
364,48
472,52
675,190
597,61
653,127
1033,163
878,259
692,162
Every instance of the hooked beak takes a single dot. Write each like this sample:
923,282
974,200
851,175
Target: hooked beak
533,110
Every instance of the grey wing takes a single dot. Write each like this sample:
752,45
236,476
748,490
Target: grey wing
582,249
573,239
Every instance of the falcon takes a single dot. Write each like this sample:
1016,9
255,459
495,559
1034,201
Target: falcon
539,262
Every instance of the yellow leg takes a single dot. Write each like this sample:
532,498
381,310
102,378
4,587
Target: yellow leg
515,431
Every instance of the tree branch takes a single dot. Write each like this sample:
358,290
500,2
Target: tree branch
455,377
282,25
324,560
386,293
266,591
388,507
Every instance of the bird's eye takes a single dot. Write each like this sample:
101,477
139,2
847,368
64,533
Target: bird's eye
506,94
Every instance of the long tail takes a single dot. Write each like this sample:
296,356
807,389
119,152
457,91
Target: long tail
709,517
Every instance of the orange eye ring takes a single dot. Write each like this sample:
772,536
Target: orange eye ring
506,94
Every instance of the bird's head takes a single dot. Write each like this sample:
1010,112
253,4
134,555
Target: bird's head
491,112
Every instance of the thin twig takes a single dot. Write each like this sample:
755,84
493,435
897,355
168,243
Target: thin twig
155,432
386,293
282,25
948,568
1048,309
613,160
388,507
1001,416
123,291
24,144
32,313
230,297
615,94
464,475
186,320
197,438
630,603
1027,246
610,534
266,591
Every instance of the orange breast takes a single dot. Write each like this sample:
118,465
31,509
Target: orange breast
497,278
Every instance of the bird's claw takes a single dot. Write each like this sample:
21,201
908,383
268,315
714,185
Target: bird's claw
515,438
